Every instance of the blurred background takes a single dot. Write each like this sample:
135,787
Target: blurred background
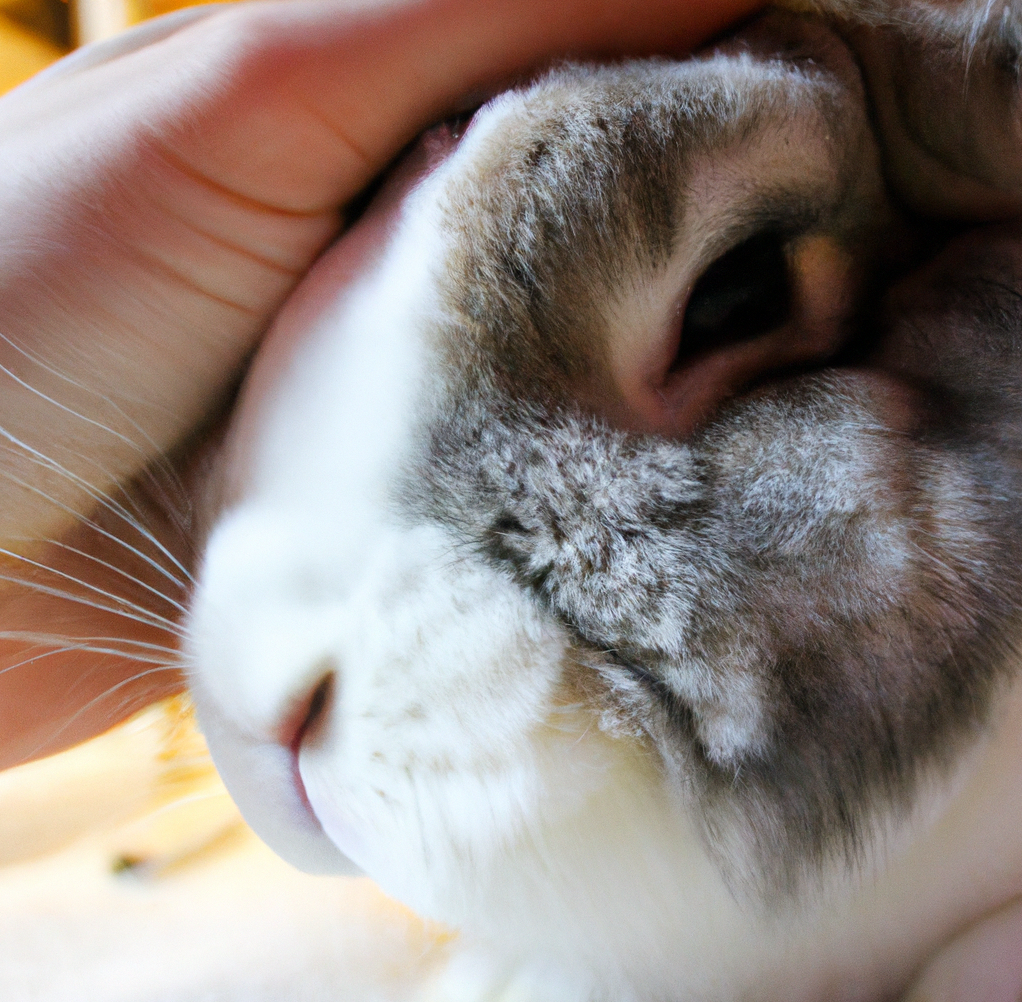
35,32
126,873
32,34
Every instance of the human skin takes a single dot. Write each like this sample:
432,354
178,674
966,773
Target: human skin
162,195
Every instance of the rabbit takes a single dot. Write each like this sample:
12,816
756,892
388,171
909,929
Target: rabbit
615,549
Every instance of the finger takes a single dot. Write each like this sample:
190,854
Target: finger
348,89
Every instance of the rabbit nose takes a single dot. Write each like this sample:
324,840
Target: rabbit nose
305,719
765,308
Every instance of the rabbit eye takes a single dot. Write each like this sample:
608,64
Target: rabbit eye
743,294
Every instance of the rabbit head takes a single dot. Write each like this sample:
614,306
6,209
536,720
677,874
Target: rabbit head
589,559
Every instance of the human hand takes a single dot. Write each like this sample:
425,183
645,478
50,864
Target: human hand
162,194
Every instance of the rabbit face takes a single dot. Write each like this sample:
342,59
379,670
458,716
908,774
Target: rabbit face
578,562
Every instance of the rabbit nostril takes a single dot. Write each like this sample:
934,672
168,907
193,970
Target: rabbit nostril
307,714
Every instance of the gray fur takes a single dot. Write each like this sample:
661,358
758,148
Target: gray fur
809,602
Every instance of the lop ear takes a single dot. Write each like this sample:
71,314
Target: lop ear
945,86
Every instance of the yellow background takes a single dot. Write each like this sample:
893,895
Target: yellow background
33,33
